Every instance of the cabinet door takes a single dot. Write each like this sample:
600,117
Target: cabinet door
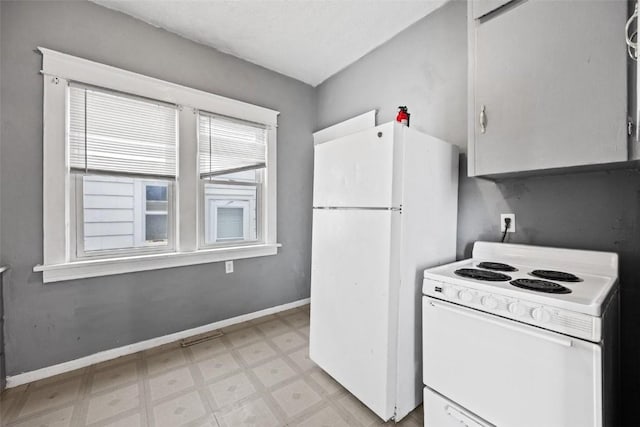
551,76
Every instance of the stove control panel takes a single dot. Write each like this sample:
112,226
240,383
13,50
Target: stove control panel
567,322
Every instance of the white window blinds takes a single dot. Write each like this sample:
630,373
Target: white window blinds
228,145
116,133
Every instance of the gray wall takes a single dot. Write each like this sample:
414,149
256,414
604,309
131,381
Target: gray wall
425,67
48,324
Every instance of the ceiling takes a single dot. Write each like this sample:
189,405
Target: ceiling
309,40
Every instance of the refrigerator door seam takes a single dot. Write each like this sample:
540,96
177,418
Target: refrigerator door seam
359,208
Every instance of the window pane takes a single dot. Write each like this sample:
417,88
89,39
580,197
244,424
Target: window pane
157,198
230,223
156,192
156,228
118,213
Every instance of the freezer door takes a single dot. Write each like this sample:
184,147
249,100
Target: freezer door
354,290
356,170
509,373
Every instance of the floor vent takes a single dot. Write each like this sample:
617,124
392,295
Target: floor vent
197,339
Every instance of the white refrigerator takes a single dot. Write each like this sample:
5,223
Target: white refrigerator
384,209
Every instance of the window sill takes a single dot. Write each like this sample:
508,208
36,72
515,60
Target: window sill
111,266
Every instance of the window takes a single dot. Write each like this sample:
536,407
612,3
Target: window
156,213
232,159
141,174
230,213
119,146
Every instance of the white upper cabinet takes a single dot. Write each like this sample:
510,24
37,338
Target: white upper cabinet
548,85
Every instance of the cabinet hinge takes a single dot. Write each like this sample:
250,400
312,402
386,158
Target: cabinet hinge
630,126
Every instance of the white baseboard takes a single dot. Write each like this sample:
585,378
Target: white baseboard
103,356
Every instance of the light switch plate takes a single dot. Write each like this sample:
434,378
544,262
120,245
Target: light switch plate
228,267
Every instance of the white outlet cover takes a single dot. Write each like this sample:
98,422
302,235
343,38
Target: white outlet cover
512,227
228,267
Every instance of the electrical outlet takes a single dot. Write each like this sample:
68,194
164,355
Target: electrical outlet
512,226
228,267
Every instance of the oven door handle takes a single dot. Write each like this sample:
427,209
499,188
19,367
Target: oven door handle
565,342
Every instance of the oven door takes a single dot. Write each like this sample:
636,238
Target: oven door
508,373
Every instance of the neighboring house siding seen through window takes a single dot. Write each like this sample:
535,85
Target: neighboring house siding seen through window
121,212
141,174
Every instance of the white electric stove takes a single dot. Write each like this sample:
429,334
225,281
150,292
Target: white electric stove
521,336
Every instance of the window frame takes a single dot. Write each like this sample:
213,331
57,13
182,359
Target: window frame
58,70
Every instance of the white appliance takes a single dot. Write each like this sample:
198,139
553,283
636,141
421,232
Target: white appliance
521,336
385,208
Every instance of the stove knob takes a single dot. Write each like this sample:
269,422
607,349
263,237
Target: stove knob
517,309
489,302
541,315
465,296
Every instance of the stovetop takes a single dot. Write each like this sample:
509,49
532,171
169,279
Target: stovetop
575,280
489,272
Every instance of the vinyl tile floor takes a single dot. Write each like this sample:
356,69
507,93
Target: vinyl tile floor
257,374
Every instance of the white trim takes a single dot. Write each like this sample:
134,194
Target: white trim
55,173
188,181
270,196
103,356
110,266
68,67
